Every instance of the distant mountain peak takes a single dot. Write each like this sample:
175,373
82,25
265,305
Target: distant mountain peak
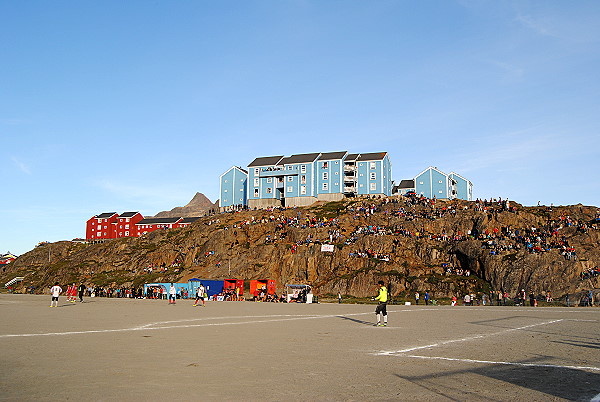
198,206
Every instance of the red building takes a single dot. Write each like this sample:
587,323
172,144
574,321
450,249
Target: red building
151,224
125,224
186,222
111,225
101,227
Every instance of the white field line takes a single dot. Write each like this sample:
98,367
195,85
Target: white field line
157,325
469,338
505,363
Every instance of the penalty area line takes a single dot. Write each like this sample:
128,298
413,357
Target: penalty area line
558,366
470,338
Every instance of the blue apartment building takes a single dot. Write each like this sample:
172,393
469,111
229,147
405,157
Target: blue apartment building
433,183
233,187
303,179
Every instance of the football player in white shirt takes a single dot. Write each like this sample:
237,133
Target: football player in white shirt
56,291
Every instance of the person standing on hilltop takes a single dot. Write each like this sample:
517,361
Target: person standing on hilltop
56,291
381,308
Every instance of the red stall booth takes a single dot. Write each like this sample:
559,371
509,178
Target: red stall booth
235,288
259,284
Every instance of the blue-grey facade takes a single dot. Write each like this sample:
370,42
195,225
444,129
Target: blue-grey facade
234,185
303,179
463,187
433,183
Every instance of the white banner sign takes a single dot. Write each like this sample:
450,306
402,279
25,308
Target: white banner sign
327,248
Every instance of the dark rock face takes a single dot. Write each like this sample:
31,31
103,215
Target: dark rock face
411,244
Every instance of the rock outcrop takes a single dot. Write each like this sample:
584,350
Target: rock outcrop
409,243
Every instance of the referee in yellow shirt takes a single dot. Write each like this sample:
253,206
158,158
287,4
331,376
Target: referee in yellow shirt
381,309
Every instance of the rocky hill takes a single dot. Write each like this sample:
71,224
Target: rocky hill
448,248
198,206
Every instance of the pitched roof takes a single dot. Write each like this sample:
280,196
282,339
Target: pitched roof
406,184
158,221
352,157
105,215
333,155
373,156
302,158
128,214
265,161
191,219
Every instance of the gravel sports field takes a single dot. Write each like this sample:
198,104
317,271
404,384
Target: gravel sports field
117,349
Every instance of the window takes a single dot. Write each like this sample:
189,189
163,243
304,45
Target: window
256,172
126,233
256,181
325,186
269,190
290,189
373,165
256,192
325,176
373,186
303,190
373,176
303,168
126,226
325,165
269,180
303,180
290,178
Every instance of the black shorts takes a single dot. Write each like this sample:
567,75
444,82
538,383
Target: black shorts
54,298
381,308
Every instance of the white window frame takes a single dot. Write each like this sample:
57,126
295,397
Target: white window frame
303,190
373,165
373,176
325,176
256,182
373,186
290,189
302,168
269,180
325,187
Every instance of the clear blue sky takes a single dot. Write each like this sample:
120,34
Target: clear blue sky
137,105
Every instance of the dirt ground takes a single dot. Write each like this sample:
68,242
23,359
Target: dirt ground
113,349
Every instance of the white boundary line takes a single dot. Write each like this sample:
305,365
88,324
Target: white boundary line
470,338
505,363
155,325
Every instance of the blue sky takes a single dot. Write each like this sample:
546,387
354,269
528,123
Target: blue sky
137,105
